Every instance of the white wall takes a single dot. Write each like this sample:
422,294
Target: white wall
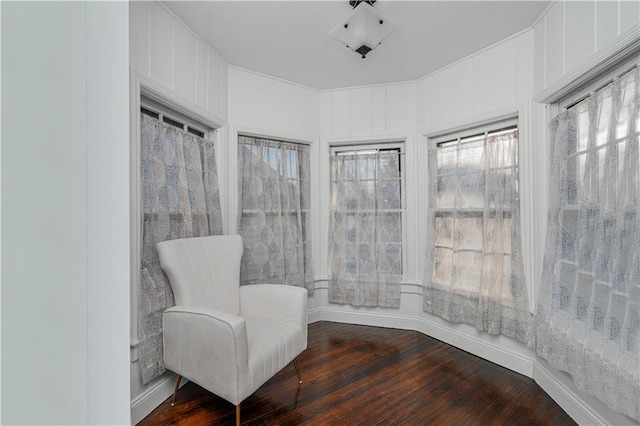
362,112
169,53
572,31
108,208
493,79
65,262
270,105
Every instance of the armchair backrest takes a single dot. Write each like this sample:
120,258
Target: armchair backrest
204,271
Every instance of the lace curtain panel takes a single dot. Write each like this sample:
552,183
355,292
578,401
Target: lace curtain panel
474,263
180,199
365,237
588,313
275,221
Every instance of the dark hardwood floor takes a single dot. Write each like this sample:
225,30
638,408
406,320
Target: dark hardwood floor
358,375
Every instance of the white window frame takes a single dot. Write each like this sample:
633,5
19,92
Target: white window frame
307,211
481,130
562,104
143,87
233,170
355,147
475,130
187,122
231,173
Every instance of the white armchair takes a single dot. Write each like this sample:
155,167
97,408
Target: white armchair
227,338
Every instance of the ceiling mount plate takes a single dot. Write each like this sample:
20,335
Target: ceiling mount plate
355,3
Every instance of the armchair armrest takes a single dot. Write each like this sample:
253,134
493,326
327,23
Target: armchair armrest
207,346
284,302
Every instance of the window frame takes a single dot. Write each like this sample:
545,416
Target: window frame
575,156
179,120
400,145
479,131
307,212
144,92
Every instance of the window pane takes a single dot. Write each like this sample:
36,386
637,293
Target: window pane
391,194
467,267
446,191
442,266
390,227
447,157
471,155
390,165
444,232
468,233
471,190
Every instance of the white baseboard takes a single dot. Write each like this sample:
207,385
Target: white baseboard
584,409
152,397
571,403
314,315
366,318
504,357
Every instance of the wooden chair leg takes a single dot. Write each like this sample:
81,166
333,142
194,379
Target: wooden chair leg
295,365
175,390
238,415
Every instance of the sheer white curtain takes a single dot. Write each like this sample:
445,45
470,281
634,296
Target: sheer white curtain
275,221
588,313
365,237
180,199
474,265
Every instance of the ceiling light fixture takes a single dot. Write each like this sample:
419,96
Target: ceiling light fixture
364,29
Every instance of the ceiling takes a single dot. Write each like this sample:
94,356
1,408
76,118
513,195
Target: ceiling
289,39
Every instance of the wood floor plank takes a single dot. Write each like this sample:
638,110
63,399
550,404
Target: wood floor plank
358,375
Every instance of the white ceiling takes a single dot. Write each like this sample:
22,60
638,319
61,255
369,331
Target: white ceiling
289,39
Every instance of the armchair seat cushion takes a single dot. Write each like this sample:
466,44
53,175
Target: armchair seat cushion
272,345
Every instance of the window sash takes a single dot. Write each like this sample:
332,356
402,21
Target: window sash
286,165
472,252
354,267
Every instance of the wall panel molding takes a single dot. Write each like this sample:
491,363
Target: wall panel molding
165,96
271,105
167,51
624,48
